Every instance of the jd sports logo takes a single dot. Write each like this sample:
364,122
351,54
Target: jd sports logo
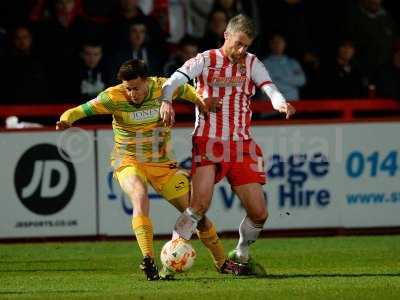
44,180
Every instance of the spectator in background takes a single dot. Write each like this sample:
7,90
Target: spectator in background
214,36
188,47
198,13
23,72
285,72
91,74
128,12
147,6
342,78
373,31
176,20
388,77
59,37
287,17
60,28
85,18
139,48
311,65
231,7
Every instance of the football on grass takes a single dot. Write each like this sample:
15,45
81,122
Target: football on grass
178,255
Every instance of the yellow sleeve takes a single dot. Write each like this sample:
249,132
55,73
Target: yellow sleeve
187,92
102,104
73,114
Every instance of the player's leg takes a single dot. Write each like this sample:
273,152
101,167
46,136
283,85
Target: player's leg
252,197
207,233
247,177
203,180
134,184
177,192
203,186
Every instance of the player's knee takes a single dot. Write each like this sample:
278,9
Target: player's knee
260,217
200,202
201,209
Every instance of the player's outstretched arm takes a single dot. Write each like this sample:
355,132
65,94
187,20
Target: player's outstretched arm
101,105
69,117
262,79
278,101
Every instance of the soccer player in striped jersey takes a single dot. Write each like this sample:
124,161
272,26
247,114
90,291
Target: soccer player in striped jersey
142,154
222,141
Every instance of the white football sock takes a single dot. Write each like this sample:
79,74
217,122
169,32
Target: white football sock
186,224
249,232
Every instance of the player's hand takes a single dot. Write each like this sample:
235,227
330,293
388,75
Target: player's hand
288,109
62,125
167,113
211,104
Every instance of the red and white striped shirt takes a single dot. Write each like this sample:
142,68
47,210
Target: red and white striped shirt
216,76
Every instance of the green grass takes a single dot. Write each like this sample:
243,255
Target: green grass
308,268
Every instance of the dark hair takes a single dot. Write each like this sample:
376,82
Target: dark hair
132,69
91,44
136,22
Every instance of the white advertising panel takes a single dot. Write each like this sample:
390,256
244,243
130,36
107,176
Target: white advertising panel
300,193
370,190
47,184
319,176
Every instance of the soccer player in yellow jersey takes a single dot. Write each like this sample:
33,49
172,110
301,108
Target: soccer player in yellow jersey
142,154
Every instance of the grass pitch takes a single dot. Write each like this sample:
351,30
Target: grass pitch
307,268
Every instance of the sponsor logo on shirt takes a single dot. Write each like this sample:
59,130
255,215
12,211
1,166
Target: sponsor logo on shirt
228,81
143,115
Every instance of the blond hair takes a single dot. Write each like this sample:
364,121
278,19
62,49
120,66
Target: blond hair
242,23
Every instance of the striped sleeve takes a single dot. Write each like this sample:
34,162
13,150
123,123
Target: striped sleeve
102,104
73,114
186,92
192,67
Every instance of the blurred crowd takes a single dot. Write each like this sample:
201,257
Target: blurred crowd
67,51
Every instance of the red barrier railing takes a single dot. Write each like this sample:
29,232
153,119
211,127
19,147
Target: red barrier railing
346,110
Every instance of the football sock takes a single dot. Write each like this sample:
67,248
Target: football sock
143,230
249,232
210,239
186,224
